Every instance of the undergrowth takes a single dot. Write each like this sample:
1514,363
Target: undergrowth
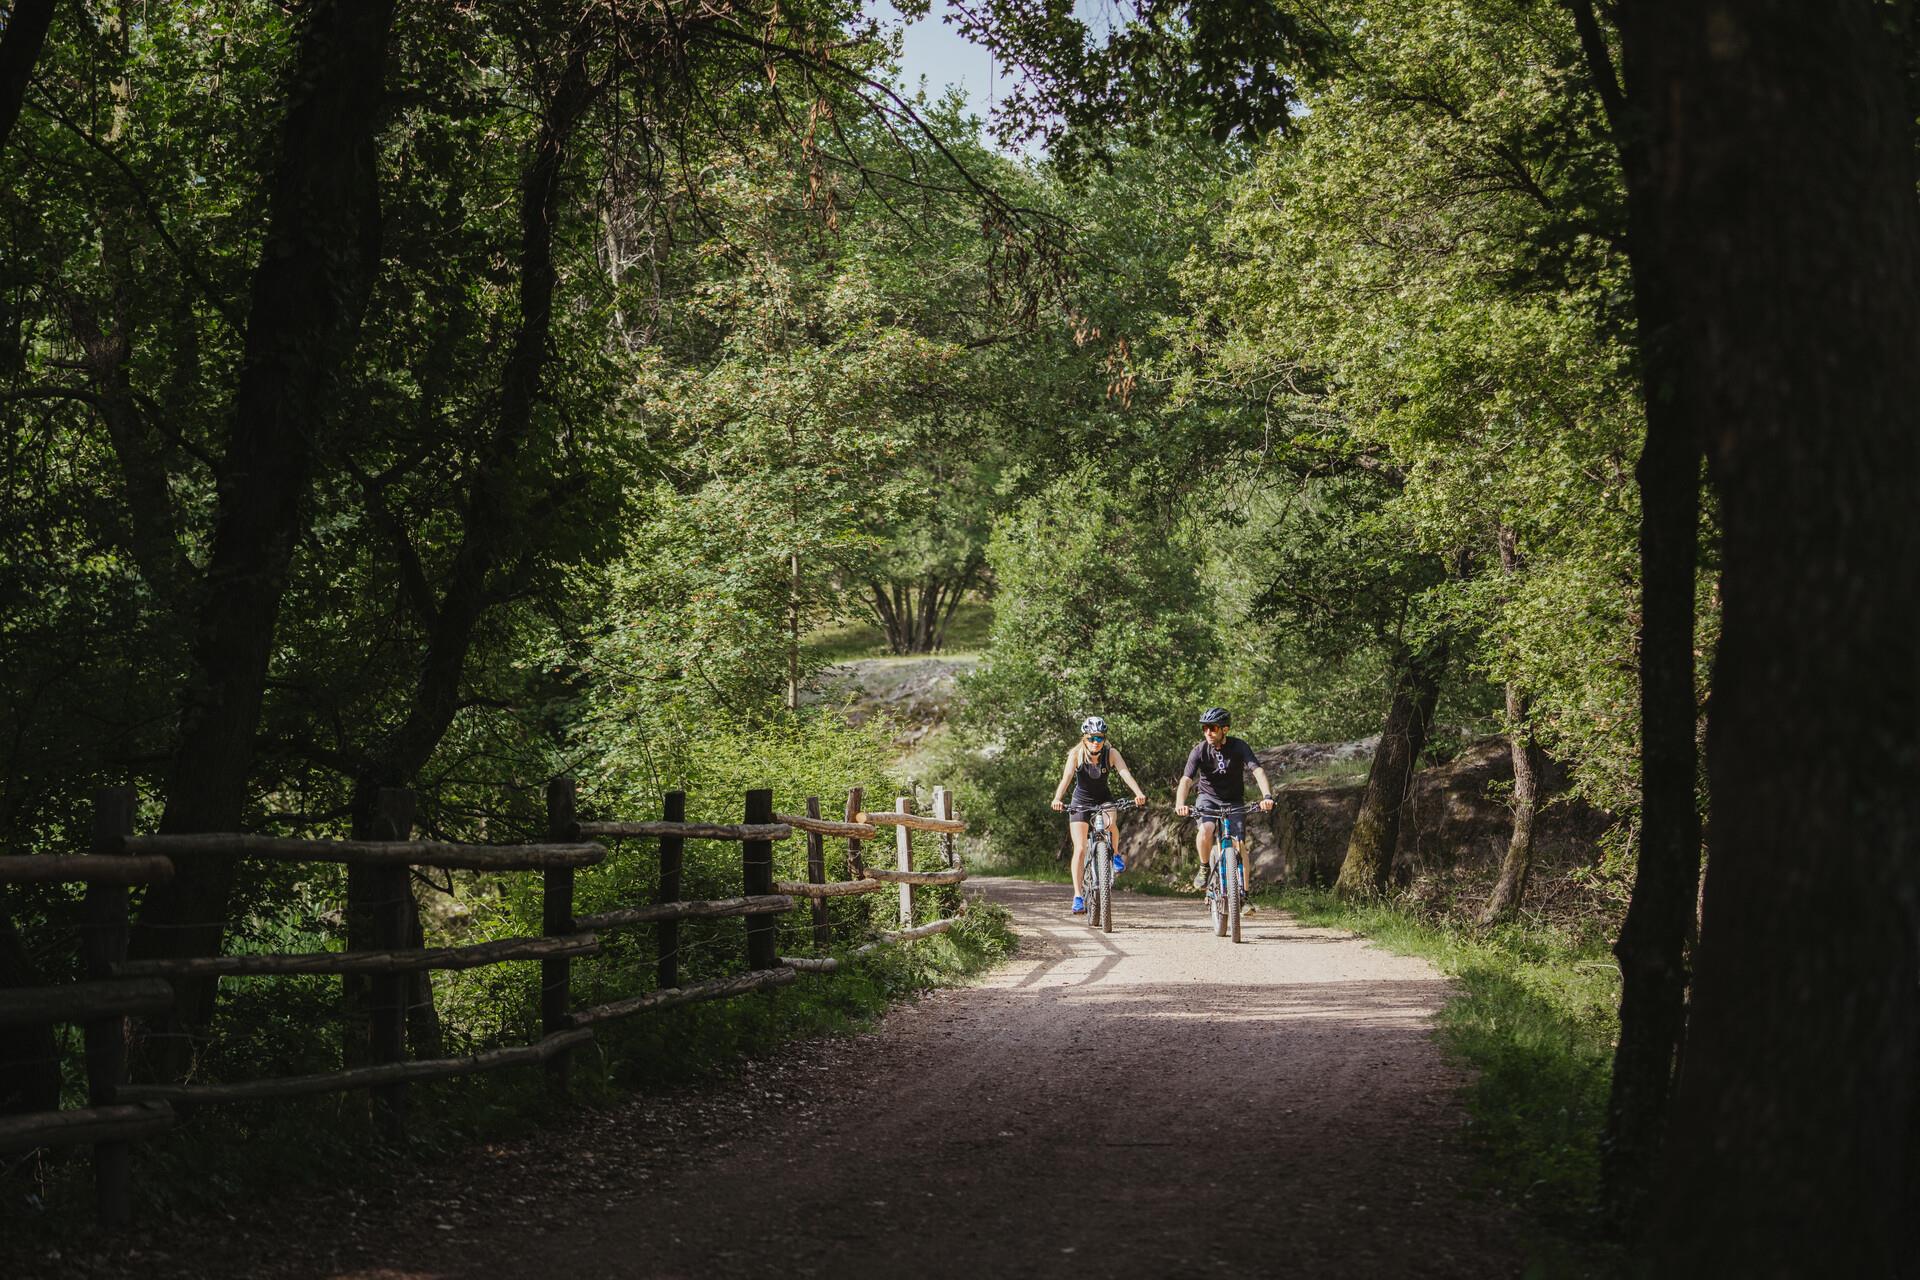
222,1156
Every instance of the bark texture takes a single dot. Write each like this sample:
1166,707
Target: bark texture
1510,889
1788,236
309,294
1652,947
1376,828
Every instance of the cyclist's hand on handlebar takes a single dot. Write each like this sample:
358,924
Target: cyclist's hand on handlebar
1184,810
1139,802
1266,804
1059,806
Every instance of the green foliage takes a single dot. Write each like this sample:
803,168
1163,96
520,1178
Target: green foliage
1100,612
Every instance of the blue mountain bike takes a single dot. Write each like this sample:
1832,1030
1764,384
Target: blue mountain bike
1227,878
1099,865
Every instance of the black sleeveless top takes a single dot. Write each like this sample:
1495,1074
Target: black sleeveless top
1090,779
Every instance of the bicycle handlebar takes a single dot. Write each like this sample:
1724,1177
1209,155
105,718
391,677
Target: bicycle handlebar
1233,811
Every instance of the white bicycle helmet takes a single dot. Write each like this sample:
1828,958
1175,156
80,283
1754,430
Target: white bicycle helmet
1094,724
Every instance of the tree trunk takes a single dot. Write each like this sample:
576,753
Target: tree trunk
1788,232
1376,828
1511,888
495,519
309,294
20,45
1652,947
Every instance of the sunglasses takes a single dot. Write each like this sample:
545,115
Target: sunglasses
1096,737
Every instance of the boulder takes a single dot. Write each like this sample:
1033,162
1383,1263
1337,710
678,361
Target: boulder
1456,819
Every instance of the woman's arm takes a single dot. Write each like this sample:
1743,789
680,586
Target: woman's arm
1126,775
1066,776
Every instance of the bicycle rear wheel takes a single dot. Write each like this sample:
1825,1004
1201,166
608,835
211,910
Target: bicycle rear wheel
1090,874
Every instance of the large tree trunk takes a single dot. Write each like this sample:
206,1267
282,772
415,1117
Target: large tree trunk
1653,939
1376,827
309,294
496,520
20,45
1788,232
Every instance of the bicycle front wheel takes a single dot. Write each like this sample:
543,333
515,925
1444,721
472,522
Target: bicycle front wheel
1106,891
1230,873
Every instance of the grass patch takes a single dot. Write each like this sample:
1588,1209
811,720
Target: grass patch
1534,1017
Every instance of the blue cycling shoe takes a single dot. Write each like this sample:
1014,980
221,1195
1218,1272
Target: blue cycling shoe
1079,905
1119,863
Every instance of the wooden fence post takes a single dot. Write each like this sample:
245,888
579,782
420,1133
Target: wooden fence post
391,897
903,851
756,858
673,808
105,945
556,920
856,805
943,808
817,874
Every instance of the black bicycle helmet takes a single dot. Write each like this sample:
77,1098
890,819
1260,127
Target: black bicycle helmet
1215,715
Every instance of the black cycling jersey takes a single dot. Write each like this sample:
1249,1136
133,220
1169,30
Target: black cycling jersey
1090,780
1220,771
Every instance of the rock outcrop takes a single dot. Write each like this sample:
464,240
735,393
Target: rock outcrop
1456,819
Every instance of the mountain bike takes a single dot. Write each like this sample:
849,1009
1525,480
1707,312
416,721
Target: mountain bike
1227,878
1099,865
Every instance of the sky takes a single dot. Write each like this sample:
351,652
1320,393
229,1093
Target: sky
935,50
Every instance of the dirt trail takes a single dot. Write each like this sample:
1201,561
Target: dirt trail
1276,1107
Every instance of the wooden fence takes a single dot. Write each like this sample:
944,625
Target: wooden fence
115,989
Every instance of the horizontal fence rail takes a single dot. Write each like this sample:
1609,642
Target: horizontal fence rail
697,909
414,853
342,962
378,871
689,830
45,868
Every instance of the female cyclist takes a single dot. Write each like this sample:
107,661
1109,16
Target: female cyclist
1089,763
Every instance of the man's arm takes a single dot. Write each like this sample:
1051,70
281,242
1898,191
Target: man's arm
1180,800
1266,788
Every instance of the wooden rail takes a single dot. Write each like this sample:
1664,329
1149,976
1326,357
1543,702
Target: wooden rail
44,868
386,1073
689,830
119,1123
340,962
914,822
827,826
697,909
404,853
379,888
828,889
84,1001
718,989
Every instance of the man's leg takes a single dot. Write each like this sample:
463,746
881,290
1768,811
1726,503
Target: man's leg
1203,841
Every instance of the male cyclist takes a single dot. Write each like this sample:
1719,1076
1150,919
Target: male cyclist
1218,763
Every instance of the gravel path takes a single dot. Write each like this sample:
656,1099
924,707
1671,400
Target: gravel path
1154,1102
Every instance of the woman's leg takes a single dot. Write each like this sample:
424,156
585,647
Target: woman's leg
1079,830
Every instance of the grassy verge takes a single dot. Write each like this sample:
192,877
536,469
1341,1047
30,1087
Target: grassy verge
1534,1018
225,1156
